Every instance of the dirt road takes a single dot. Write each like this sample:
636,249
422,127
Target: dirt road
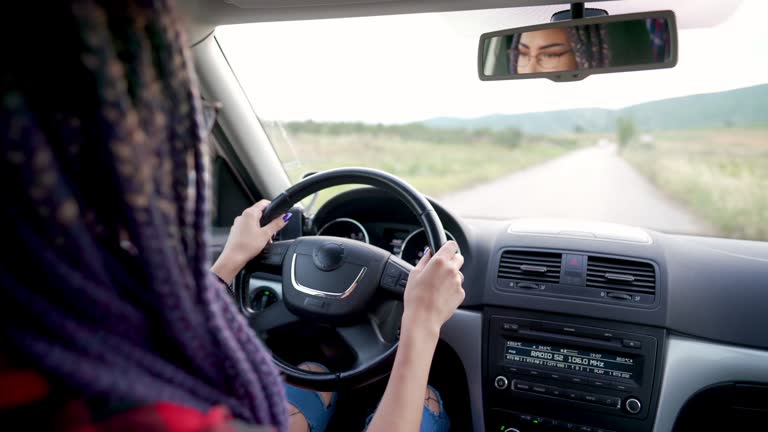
592,183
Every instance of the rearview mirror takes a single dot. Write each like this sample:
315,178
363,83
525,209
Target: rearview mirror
574,49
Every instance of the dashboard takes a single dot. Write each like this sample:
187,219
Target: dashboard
378,219
588,326
407,242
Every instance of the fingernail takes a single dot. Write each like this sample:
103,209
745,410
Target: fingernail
426,250
287,217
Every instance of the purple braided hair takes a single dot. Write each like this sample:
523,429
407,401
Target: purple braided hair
107,289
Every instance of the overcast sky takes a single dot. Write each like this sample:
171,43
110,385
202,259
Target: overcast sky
407,68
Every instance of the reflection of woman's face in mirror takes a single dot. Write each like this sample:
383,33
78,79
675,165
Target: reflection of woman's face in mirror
545,51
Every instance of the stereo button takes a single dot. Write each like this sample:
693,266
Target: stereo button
633,405
522,386
511,326
573,395
500,382
610,401
588,397
631,343
554,423
620,386
540,389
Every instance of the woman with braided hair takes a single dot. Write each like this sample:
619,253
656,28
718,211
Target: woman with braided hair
559,49
110,316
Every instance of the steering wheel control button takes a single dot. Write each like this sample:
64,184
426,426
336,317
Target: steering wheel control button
388,281
633,405
394,277
392,270
328,256
274,254
501,382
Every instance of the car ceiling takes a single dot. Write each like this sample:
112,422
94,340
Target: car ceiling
204,15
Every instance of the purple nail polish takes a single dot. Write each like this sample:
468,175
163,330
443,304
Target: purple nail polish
426,250
287,217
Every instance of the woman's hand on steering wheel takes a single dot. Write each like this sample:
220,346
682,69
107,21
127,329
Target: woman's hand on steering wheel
246,240
434,291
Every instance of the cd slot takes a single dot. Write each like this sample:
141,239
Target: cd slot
579,340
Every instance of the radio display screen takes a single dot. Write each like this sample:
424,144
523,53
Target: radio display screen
565,359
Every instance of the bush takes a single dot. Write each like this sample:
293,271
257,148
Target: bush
625,130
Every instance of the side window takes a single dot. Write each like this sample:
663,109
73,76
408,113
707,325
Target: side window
229,196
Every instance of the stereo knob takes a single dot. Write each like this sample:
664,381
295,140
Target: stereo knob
501,382
633,405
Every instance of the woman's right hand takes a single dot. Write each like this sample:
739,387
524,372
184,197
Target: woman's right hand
432,295
434,290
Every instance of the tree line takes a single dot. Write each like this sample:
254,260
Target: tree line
411,132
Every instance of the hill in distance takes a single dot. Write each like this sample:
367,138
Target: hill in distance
741,107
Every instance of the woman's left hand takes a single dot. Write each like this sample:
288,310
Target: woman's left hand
247,238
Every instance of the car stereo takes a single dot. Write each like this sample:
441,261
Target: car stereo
543,372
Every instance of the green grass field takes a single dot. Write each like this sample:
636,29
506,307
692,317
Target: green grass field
432,166
720,174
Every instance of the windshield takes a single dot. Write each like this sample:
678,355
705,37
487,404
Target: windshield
682,150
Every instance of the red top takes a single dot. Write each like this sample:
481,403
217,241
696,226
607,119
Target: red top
28,400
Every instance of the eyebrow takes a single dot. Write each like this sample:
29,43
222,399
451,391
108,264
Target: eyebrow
554,45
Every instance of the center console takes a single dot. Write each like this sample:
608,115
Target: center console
545,374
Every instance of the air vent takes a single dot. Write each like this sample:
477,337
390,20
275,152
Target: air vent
621,275
530,266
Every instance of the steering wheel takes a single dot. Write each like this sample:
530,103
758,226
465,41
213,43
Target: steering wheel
333,281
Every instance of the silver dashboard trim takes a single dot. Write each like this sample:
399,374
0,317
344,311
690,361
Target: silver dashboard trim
579,229
405,242
691,365
324,294
464,333
359,225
